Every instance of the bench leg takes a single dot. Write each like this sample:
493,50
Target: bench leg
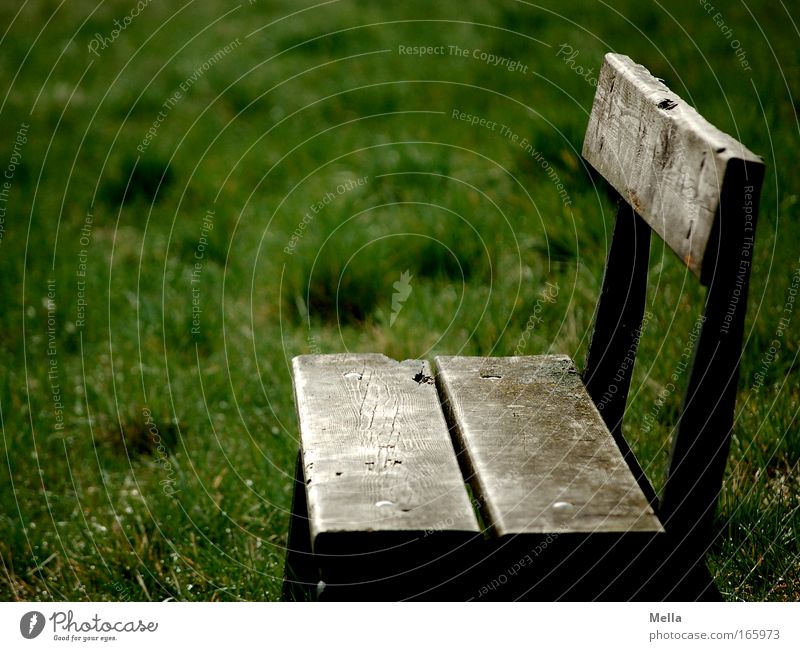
300,575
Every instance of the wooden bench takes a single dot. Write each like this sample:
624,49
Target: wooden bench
509,478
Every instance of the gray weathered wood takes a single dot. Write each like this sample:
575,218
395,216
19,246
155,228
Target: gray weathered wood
664,158
377,455
541,457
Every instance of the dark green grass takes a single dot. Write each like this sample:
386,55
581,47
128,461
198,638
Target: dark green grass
172,475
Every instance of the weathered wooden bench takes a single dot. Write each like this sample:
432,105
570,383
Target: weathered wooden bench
508,478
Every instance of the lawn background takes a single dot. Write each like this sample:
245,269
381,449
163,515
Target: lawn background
171,475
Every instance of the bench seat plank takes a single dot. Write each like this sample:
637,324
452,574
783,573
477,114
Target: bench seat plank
376,452
541,457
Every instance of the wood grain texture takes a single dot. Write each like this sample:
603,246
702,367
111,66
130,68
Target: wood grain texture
664,158
541,458
377,455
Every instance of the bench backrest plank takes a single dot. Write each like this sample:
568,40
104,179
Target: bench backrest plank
527,428
660,155
377,453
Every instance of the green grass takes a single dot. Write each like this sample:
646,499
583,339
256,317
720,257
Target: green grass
97,509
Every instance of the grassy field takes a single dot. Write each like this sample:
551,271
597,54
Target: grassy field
201,191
